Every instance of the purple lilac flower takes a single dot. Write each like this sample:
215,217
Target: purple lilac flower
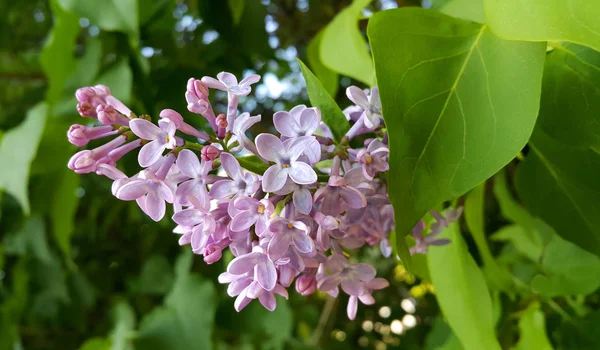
285,156
365,298
160,138
301,196
181,125
251,211
87,161
239,183
288,234
242,123
80,135
299,121
197,172
370,104
150,190
228,82
351,277
373,159
199,224
264,268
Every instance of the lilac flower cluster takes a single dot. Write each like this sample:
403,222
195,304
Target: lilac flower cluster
286,206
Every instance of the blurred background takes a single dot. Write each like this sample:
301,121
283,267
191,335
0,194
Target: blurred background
80,269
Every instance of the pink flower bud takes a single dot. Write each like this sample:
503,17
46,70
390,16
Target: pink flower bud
222,121
173,116
102,90
306,284
107,115
212,253
86,109
209,152
85,94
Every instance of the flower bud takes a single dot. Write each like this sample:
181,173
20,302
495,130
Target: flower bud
306,284
209,152
222,121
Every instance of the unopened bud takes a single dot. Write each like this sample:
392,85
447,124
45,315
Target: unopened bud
209,152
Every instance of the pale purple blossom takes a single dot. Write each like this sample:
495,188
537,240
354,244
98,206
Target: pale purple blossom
373,159
251,211
370,104
197,172
228,82
239,182
289,234
301,196
351,277
87,161
285,156
160,138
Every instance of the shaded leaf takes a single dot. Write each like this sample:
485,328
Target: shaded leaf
96,343
532,329
343,47
559,184
109,15
330,112
461,291
471,10
18,149
328,78
237,9
445,106
119,79
545,20
156,276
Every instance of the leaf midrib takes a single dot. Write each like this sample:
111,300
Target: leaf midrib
447,102
558,181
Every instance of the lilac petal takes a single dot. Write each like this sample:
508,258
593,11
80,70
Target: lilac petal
166,192
228,79
145,129
132,190
188,217
250,79
281,291
199,239
353,197
352,307
367,299
295,147
226,277
269,147
236,287
353,287
268,301
287,188
189,188
254,290
213,83
302,200
274,178
328,283
285,124
303,174
242,221
155,206
231,166
278,246
303,243
150,153
358,96
223,189
188,164
242,300
266,274
246,203
378,283
118,105
309,120
243,264
313,151
366,272
261,225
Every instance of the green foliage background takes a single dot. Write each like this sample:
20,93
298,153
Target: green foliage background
463,86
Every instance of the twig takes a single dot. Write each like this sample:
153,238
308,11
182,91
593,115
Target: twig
316,337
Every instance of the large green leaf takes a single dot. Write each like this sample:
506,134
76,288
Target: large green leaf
462,293
567,270
560,184
57,56
343,47
187,318
546,20
110,15
328,78
498,276
330,112
471,10
17,150
444,86
532,327
570,108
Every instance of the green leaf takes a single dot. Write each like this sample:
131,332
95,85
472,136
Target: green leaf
445,108
560,184
567,270
343,48
521,238
88,66
461,291
57,56
237,9
124,324
471,10
17,150
440,337
156,277
119,79
185,321
580,333
326,76
571,87
96,343
109,15
330,112
545,20
253,163
532,328
63,209
30,240
274,328
499,277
